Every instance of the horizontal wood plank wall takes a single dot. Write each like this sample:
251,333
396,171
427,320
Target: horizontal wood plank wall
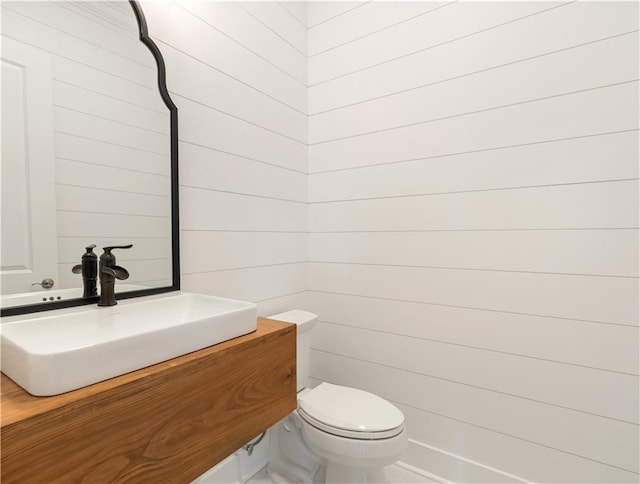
237,72
111,134
473,222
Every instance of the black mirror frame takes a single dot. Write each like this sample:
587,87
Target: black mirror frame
175,224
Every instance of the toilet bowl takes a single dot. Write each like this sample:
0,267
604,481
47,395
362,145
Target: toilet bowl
337,434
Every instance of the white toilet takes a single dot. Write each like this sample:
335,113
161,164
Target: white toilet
338,434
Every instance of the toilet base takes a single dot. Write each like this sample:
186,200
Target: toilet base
289,456
337,473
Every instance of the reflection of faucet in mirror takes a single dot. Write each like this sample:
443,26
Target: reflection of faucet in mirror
109,272
89,270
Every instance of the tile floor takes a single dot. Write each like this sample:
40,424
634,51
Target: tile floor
400,475
396,474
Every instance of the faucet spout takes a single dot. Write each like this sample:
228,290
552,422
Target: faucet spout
117,272
109,272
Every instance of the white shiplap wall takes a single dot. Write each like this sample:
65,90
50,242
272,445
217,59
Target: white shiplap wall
238,73
473,225
472,210
111,141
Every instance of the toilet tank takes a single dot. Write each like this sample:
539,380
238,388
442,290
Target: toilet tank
304,322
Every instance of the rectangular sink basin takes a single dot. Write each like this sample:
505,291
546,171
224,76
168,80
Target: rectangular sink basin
59,351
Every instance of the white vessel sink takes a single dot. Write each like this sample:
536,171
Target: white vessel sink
59,351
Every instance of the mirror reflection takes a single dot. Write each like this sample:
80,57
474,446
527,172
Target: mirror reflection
85,149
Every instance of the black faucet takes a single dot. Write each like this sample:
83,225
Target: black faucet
109,272
89,270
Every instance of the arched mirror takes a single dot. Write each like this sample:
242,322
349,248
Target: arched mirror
89,152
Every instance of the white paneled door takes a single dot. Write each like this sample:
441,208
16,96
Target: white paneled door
29,247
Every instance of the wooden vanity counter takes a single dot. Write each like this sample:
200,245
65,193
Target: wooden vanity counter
166,423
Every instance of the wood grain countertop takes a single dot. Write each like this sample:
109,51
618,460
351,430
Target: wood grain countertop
171,421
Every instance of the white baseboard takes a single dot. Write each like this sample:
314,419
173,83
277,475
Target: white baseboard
430,462
445,467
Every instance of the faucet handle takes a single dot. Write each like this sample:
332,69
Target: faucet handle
110,247
107,259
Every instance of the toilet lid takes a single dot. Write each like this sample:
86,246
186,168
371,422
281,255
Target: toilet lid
350,412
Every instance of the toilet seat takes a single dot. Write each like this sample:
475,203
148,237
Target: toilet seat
349,412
